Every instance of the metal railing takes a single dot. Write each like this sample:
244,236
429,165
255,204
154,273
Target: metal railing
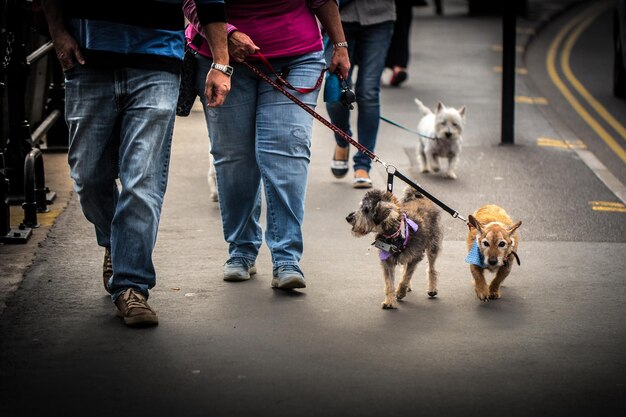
22,178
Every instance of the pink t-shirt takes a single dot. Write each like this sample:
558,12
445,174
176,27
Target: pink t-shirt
280,28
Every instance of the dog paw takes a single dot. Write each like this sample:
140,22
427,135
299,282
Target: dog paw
451,175
494,295
388,306
401,292
482,296
432,294
435,169
424,170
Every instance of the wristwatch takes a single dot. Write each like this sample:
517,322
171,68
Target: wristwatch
341,45
226,69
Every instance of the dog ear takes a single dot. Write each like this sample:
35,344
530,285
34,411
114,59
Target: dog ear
462,111
475,223
440,107
513,228
381,212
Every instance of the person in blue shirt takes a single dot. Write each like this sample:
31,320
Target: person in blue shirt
122,62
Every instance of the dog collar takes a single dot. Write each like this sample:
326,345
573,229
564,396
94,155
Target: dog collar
393,244
506,261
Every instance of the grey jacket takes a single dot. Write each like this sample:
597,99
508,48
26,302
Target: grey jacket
368,12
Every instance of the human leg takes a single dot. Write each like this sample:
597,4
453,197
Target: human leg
338,113
91,115
232,135
371,39
398,52
147,103
283,151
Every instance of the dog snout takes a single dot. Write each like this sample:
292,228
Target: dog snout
448,134
350,218
493,261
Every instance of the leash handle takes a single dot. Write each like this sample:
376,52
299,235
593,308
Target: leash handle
391,172
390,182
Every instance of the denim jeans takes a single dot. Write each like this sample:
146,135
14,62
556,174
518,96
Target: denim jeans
121,124
367,47
259,136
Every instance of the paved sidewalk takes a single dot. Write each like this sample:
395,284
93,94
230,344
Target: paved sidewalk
552,346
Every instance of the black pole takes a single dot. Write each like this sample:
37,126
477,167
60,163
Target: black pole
19,142
509,17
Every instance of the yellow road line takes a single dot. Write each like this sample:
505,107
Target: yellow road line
608,206
531,100
576,105
613,209
498,48
560,143
44,219
565,64
518,70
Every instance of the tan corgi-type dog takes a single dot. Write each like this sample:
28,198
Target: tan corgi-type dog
492,242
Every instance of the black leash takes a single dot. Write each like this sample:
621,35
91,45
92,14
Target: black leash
391,170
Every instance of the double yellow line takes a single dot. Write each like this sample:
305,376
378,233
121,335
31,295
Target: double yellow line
565,41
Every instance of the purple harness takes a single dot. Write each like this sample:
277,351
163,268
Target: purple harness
387,249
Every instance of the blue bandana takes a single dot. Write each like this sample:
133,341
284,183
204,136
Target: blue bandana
474,256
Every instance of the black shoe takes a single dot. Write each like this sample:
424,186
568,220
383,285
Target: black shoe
339,165
398,78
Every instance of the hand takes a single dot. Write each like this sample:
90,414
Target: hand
68,51
216,88
240,46
340,62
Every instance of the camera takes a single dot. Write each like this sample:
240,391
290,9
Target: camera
337,89
347,95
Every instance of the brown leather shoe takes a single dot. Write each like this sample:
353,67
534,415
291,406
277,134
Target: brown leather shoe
132,306
107,269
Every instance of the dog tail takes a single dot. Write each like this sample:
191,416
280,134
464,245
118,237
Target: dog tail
411,193
425,110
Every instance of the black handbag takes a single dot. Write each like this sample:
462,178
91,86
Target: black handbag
187,90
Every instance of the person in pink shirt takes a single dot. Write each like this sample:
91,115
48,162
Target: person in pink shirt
260,140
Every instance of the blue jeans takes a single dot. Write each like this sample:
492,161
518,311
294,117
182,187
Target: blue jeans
260,136
121,124
367,47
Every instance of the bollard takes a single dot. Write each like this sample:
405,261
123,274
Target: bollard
509,21
5,211
34,188
7,234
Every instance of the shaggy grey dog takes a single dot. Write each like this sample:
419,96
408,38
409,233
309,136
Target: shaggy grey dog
405,230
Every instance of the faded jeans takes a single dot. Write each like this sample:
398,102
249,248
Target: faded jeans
121,123
258,136
367,47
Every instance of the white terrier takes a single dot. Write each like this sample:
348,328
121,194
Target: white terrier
441,137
